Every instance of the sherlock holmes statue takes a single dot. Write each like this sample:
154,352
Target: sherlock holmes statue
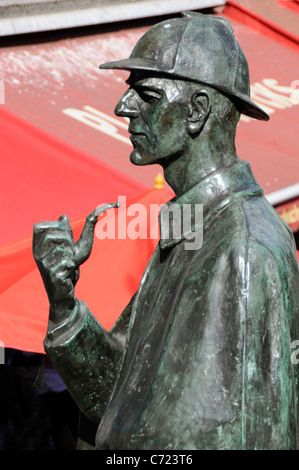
201,357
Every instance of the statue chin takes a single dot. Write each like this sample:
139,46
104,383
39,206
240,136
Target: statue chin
140,160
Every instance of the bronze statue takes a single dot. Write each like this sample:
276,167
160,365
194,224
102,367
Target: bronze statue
201,357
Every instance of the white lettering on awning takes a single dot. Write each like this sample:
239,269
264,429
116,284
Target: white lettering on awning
270,96
100,121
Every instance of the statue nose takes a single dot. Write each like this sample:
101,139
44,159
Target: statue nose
127,105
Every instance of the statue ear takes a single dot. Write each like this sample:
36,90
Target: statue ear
199,110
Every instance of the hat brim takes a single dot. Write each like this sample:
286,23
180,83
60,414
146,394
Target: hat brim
244,104
248,107
136,63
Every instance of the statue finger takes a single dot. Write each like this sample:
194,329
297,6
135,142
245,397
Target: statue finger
63,269
65,221
60,273
49,241
40,229
43,228
60,286
57,255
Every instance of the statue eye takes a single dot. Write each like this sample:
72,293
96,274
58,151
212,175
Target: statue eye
148,95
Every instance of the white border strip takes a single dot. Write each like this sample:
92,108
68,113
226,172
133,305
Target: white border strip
98,15
282,195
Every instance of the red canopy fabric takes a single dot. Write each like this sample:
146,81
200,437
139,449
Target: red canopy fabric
271,19
107,281
59,87
64,151
43,176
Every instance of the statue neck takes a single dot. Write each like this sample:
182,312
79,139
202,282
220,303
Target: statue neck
203,156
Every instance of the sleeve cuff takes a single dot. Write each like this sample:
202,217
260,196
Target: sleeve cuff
64,331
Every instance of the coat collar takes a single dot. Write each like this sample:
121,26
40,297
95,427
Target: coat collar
204,199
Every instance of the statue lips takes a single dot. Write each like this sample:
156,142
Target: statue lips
135,136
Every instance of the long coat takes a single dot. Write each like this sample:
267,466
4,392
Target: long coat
208,337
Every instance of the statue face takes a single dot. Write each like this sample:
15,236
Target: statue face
158,110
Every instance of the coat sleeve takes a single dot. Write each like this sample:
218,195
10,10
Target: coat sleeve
87,357
270,395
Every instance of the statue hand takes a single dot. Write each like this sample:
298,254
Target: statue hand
58,258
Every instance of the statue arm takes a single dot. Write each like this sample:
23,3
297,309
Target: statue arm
87,357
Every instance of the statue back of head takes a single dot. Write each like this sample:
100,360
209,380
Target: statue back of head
200,48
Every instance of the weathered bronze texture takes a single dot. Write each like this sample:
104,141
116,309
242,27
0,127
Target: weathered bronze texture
201,357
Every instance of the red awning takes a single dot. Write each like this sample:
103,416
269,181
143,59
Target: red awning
107,281
43,176
64,151
58,87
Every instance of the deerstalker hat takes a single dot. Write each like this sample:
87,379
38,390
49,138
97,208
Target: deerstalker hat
196,47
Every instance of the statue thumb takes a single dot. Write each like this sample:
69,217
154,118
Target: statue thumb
83,246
